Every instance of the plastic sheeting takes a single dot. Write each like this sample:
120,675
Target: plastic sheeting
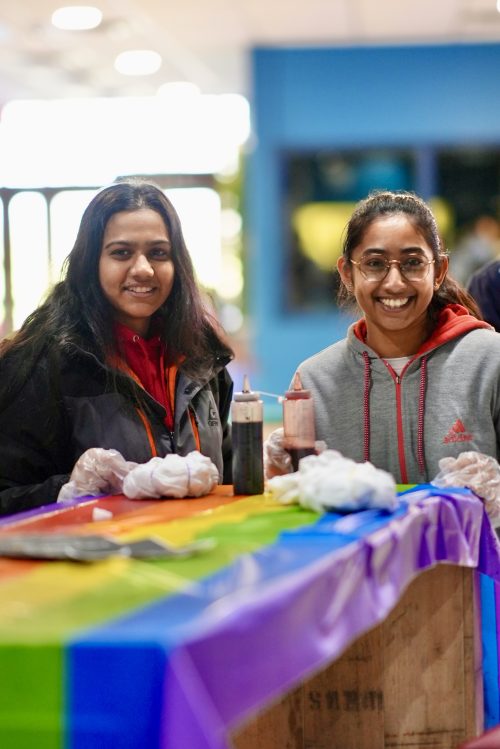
131,653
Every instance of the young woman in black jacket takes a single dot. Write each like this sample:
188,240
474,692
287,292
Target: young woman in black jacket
123,354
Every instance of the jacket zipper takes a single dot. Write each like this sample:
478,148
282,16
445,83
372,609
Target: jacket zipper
401,440
149,433
399,421
194,427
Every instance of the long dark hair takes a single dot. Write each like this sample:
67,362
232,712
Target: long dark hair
76,312
385,203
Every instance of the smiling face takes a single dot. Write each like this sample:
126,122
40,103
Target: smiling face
136,270
395,309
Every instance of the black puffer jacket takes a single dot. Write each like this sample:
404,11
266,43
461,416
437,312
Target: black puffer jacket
71,403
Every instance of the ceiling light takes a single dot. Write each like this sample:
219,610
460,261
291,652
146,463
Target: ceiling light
138,62
77,18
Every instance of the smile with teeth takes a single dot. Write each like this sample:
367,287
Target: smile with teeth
139,289
395,303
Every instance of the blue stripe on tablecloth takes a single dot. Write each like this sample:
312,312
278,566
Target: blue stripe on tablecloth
115,672
489,630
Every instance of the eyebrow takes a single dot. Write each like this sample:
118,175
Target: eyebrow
403,250
128,243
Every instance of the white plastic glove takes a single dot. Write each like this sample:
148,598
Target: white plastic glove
192,475
97,471
330,481
277,461
478,472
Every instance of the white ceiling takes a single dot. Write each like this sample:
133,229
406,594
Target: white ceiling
208,41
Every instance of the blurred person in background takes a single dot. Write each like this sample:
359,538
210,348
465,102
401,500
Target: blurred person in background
478,246
484,286
122,355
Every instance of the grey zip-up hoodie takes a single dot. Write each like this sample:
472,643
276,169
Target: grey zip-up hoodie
446,400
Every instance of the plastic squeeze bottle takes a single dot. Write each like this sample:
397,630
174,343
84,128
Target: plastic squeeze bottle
298,422
247,419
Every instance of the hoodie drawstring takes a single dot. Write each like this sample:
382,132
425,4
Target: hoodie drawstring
366,407
421,411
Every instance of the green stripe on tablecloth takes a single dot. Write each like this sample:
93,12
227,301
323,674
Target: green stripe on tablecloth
31,697
99,592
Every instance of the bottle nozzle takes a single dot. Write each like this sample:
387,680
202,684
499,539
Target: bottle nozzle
246,393
297,390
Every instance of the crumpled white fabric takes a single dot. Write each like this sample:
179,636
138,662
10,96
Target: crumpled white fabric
97,471
332,482
277,461
192,475
476,471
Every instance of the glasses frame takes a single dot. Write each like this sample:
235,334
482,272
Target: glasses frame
388,264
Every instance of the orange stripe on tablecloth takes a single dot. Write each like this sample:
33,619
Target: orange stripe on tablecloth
128,515
72,519
10,568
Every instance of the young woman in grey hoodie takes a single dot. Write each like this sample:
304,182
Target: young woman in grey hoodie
418,376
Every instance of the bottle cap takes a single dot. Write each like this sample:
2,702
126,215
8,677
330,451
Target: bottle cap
297,390
246,393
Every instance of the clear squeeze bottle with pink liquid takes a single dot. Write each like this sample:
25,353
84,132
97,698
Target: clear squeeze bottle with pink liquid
298,422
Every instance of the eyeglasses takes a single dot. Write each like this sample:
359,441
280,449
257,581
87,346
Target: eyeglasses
377,268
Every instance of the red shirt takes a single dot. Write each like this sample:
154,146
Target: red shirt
146,357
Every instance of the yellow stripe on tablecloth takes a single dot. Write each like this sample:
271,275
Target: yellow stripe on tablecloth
184,530
54,599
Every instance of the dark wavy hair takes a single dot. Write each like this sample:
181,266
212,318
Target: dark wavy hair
386,203
76,312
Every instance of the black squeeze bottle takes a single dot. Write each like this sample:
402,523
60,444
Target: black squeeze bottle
298,422
247,419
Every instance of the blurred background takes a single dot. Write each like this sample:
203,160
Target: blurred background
264,122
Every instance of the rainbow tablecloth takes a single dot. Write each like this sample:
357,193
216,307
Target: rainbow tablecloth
171,654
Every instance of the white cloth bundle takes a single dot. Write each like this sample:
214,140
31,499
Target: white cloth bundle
173,476
331,482
277,461
478,472
97,471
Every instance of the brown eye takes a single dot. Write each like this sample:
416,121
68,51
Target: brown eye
120,253
374,263
160,253
413,263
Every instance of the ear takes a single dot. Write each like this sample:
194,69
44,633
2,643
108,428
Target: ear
441,272
345,271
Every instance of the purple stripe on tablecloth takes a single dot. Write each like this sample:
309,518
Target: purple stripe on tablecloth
496,593
44,510
489,555
296,625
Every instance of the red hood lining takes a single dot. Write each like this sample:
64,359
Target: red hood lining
453,321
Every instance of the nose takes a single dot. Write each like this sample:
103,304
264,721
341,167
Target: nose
394,276
142,267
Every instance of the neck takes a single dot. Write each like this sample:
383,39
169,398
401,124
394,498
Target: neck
395,343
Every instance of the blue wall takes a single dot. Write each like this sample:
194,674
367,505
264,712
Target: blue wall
347,98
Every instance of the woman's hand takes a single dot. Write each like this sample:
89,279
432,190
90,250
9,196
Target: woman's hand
191,475
97,471
277,460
